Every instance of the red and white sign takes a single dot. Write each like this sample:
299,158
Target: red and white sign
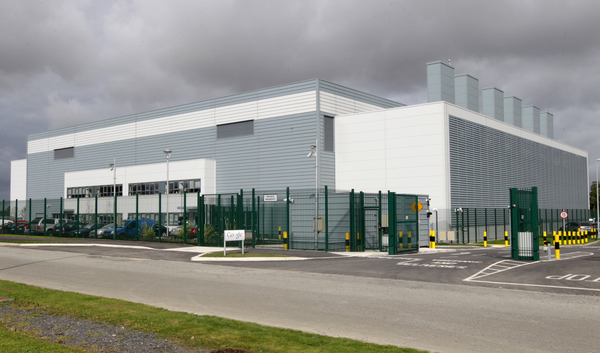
564,214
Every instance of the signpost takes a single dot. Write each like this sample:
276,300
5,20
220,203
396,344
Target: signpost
233,235
564,215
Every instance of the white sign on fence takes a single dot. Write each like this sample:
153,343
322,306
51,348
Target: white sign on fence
270,198
233,235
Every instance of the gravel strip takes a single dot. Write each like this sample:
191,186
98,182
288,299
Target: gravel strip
92,336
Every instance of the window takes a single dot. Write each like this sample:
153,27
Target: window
92,191
241,128
328,133
63,153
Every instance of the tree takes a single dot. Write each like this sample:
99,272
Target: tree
593,201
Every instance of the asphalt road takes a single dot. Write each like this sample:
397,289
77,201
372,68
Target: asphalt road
420,301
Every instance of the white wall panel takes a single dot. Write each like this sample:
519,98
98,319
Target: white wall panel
336,104
18,179
203,169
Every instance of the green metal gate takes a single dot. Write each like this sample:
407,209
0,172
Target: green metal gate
524,224
403,223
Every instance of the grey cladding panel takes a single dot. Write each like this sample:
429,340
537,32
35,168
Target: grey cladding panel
485,163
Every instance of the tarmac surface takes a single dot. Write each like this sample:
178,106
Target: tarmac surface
577,272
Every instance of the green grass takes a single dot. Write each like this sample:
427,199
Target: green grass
239,254
208,331
17,342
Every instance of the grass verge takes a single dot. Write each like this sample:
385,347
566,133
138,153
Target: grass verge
16,342
208,331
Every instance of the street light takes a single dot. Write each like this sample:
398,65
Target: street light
168,154
597,209
313,153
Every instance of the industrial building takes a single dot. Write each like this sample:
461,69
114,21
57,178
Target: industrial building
445,148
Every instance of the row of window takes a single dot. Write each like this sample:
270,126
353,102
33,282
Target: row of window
175,187
93,191
150,188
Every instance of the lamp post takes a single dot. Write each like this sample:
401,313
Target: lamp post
313,153
597,209
168,154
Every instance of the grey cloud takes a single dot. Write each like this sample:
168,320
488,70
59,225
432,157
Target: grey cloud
72,61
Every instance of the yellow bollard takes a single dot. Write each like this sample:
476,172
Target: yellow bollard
557,247
409,239
279,233
400,240
484,239
506,238
433,238
285,243
347,241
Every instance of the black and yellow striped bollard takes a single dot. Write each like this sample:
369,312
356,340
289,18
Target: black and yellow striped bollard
285,241
485,239
432,239
557,247
506,238
347,241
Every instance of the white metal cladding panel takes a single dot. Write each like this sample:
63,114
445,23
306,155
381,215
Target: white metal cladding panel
485,163
377,150
355,95
262,109
18,179
334,104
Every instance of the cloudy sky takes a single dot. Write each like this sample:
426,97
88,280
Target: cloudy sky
66,62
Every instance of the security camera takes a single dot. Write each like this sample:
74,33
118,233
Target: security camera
310,154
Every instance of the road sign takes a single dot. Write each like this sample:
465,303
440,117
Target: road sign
564,214
416,206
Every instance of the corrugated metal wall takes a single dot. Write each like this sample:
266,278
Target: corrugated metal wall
485,163
285,125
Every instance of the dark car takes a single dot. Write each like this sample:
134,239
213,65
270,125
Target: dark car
89,230
9,227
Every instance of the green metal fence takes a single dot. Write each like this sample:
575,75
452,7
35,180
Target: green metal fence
470,223
325,219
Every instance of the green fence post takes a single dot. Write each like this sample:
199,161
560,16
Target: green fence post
352,234
468,228
219,220
16,215
3,212
29,218
462,221
379,235
115,215
45,207
184,216
137,216
160,216
96,216
254,219
326,220
392,232
60,220
77,220
287,218
495,226
361,222
534,205
476,225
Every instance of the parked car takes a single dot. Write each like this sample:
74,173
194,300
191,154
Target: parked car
23,228
100,231
9,227
577,226
89,229
127,228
